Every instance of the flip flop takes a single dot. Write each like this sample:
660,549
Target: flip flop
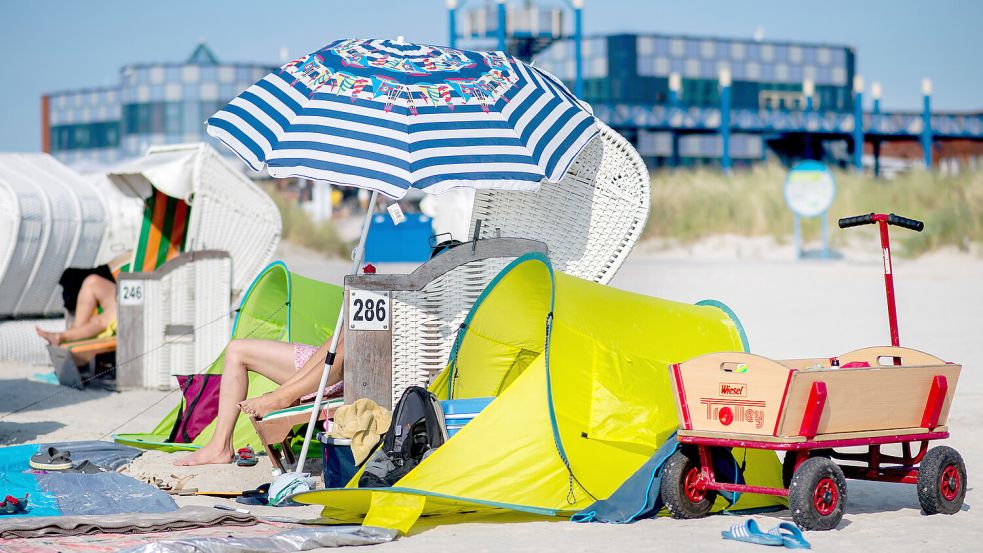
87,467
246,457
749,532
51,458
792,537
13,506
259,496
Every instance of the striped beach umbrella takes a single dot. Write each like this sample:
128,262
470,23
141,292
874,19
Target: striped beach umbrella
390,116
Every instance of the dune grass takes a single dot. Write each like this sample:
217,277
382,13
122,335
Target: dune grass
690,205
299,228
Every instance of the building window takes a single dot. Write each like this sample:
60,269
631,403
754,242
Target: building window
752,71
795,54
823,56
737,50
226,74
157,75
781,72
707,49
767,52
676,47
190,74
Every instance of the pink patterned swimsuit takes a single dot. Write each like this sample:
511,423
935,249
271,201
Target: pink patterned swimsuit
303,354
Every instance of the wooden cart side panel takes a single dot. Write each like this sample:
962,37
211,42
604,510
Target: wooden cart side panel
734,392
868,399
877,355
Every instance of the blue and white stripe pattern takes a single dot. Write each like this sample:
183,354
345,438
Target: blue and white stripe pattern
388,116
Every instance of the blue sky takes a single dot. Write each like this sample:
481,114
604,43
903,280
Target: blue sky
74,44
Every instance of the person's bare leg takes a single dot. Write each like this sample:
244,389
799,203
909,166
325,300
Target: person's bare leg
304,382
274,360
95,292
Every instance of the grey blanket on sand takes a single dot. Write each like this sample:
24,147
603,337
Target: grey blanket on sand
127,523
288,541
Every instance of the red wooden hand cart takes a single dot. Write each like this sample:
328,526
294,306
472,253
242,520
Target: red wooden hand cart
810,407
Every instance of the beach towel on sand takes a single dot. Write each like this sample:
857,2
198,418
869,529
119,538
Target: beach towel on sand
59,493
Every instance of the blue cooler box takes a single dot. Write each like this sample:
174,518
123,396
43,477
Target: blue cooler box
458,412
339,463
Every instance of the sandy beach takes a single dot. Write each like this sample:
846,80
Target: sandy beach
788,308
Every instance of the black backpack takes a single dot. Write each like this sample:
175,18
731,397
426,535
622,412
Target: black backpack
417,429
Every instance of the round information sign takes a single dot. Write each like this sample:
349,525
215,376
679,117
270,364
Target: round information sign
809,188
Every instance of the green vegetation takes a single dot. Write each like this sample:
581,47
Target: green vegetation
690,205
300,229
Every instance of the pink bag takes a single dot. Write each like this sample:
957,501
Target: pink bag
199,407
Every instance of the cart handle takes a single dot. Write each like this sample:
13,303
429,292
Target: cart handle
891,219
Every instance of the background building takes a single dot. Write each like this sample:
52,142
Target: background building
159,103
765,75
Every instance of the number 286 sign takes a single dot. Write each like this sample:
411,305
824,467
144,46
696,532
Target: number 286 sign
368,310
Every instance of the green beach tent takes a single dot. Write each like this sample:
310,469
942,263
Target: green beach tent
580,375
279,305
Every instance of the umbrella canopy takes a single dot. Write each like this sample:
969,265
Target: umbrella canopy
390,116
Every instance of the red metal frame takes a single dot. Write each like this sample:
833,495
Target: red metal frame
892,311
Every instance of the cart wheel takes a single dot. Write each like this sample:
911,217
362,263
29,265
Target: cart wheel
681,490
817,494
788,464
941,481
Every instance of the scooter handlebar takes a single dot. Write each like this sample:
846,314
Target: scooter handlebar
905,222
857,220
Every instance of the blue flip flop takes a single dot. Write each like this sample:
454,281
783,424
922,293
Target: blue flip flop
748,531
792,537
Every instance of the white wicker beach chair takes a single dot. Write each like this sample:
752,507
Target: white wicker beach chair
229,211
180,323
589,222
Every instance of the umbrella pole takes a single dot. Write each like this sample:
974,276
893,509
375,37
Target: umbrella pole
357,256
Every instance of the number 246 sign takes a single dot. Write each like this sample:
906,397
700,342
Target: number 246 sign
368,310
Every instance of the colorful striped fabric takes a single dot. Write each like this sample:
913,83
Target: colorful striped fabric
389,116
163,233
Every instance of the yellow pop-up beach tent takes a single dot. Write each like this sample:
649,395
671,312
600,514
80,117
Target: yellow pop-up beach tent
580,372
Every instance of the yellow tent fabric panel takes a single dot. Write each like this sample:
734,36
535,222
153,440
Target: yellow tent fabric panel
583,400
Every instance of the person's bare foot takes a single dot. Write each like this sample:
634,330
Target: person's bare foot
53,338
206,456
260,406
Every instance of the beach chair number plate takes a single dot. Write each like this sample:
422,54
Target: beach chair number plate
368,310
131,292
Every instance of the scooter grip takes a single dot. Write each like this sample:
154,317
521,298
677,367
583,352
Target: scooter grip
857,220
905,222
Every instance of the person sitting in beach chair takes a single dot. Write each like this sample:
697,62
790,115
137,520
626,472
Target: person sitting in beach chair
296,368
95,313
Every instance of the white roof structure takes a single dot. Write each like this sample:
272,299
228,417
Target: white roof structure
50,219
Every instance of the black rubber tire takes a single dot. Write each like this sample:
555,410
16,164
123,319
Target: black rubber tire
803,489
788,464
931,472
674,495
